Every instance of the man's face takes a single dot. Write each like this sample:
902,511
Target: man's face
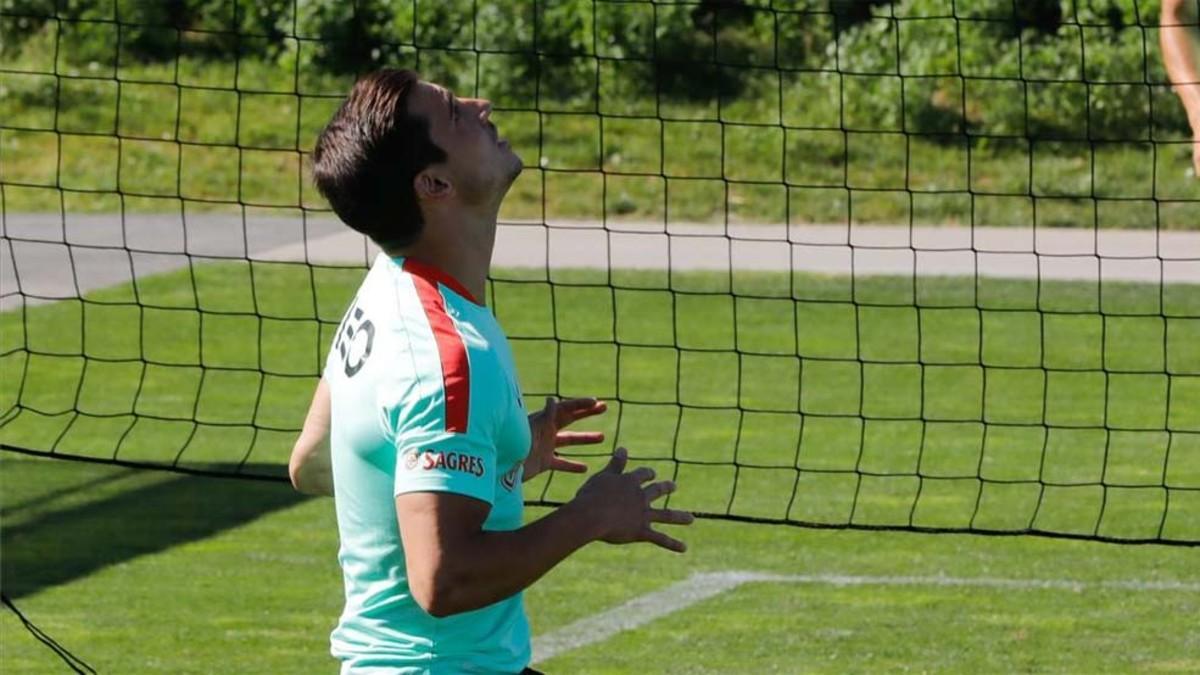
480,165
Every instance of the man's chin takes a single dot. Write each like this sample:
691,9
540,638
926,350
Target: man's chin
516,166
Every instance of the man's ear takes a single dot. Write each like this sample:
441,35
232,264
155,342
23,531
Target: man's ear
432,186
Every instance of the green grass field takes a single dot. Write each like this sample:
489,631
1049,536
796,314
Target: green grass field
143,137
150,572
1068,408
748,398
899,405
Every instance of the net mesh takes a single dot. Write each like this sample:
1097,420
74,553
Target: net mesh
921,265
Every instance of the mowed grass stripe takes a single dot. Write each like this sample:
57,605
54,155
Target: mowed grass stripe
700,587
262,595
830,629
937,402
145,145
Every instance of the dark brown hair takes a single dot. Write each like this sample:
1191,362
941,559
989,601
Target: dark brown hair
367,156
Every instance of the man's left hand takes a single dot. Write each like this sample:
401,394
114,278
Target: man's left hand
546,427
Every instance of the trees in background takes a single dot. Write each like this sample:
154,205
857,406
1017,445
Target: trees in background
1057,68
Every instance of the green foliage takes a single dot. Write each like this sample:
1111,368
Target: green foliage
1062,69
342,36
101,31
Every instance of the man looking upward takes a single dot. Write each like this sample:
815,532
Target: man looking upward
1179,33
418,426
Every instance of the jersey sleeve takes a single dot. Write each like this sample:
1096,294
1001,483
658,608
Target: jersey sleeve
446,461
441,404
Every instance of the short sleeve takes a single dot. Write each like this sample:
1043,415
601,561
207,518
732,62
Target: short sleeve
464,464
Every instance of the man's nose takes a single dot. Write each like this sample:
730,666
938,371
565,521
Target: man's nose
485,108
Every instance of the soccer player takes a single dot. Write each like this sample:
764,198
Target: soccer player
1179,35
418,427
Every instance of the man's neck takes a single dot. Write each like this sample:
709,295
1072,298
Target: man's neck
460,244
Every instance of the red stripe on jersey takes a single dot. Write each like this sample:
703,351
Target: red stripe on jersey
420,269
452,351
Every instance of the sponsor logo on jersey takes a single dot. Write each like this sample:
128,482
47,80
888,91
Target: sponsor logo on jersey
431,460
510,478
410,459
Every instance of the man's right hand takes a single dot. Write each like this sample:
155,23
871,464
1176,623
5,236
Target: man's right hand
619,504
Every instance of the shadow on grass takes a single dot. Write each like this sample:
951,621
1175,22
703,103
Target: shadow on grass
66,544
10,511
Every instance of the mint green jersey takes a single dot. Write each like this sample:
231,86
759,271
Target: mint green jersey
425,398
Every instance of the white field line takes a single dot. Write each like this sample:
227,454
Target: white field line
702,586
640,610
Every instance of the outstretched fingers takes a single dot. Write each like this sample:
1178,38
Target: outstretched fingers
558,463
642,474
665,516
617,464
666,541
568,438
624,500
574,409
671,517
656,490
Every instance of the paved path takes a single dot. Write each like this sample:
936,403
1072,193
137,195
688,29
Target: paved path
44,255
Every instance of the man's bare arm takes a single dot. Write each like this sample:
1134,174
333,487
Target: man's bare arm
309,467
1179,37
455,566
